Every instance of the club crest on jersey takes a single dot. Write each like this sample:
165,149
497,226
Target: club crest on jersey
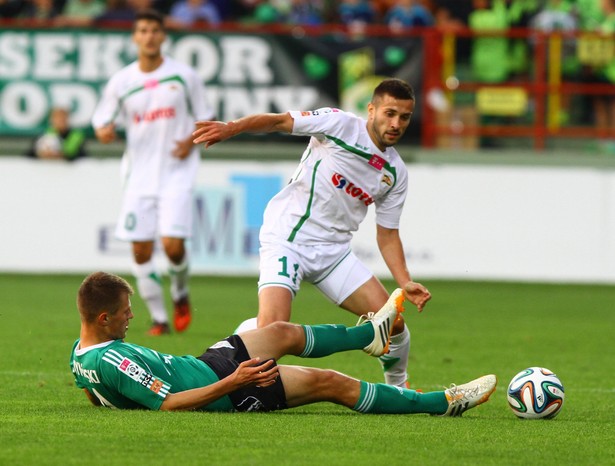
386,179
343,184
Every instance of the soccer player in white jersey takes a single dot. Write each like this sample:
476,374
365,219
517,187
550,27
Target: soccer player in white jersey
349,164
158,100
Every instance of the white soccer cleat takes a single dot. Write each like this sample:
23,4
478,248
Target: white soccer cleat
463,397
382,322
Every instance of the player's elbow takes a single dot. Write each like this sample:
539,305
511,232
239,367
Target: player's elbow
283,123
95,401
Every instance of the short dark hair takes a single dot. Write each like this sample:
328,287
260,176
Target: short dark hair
397,88
150,15
101,291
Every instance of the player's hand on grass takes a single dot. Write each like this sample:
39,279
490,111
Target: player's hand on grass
417,294
256,372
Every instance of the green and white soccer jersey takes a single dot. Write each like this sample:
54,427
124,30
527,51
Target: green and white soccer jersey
157,109
126,376
340,175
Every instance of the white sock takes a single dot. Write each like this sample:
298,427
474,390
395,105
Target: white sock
149,285
249,324
395,362
179,278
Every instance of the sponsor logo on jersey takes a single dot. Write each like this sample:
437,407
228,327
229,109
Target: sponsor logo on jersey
377,162
137,373
323,111
156,386
131,368
345,185
386,179
153,115
151,84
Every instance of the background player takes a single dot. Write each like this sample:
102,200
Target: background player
159,99
348,165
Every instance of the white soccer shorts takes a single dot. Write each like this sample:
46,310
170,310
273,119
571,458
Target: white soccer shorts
147,218
332,268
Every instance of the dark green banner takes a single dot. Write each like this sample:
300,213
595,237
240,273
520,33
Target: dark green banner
245,73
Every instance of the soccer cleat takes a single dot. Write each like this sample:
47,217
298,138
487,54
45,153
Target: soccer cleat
463,397
382,322
159,328
182,315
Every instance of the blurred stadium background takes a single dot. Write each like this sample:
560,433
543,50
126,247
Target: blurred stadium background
511,151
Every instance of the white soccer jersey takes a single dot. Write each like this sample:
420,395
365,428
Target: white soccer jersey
158,109
341,173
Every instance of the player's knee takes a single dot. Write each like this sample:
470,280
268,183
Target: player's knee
174,249
328,381
175,254
398,326
286,334
142,253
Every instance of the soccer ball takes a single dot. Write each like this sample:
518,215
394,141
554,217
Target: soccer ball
535,393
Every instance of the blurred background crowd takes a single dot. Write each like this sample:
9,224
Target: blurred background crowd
484,59
589,15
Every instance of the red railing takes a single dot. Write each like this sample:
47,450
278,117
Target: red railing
544,87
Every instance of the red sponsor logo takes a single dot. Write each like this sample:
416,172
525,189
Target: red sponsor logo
377,162
150,84
153,115
341,183
124,364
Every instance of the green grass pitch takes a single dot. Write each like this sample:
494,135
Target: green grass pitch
467,330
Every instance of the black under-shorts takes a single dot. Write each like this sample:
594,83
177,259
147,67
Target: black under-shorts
223,358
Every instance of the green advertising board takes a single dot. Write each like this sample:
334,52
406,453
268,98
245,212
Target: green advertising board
244,72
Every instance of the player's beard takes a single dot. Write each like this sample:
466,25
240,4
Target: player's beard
381,135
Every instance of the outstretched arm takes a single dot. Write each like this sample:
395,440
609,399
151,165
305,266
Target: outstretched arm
247,373
211,132
392,252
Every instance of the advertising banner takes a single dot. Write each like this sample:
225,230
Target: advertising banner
460,222
244,72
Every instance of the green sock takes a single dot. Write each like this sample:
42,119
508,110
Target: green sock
386,399
323,340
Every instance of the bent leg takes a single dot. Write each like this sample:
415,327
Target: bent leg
369,297
274,304
313,341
